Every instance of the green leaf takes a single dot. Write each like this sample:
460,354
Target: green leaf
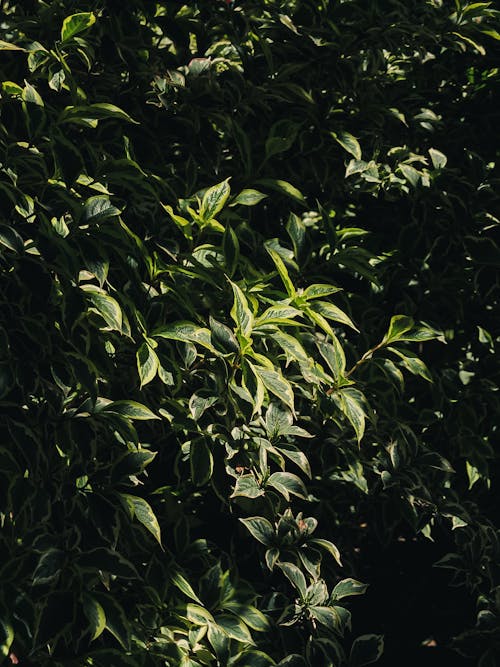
95,616
295,455
334,356
10,87
199,403
11,239
182,223
284,187
252,616
75,24
283,272
31,95
411,174
331,312
297,232
99,208
116,620
143,512
234,628
240,312
412,363
261,529
365,650
247,486
186,332
219,641
278,314
105,305
293,349
8,46
91,114
231,250
147,364
348,587
328,546
439,159
130,410
327,616
399,325
275,383
318,291
473,474
287,483
6,636
106,560
222,338
248,198
180,582
49,566
198,615
278,420
351,402
214,199
295,576
253,658
348,143
201,462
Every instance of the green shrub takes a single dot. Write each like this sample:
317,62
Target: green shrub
249,315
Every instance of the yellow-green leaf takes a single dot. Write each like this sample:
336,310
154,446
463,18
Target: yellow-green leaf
75,24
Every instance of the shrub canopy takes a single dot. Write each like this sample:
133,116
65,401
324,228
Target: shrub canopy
249,320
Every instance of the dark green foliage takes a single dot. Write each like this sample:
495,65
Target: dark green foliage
248,327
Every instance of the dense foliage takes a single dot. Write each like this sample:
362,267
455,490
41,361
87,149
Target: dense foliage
249,315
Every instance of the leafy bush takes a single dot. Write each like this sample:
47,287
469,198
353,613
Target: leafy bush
249,317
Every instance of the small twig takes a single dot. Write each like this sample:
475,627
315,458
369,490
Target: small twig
367,355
